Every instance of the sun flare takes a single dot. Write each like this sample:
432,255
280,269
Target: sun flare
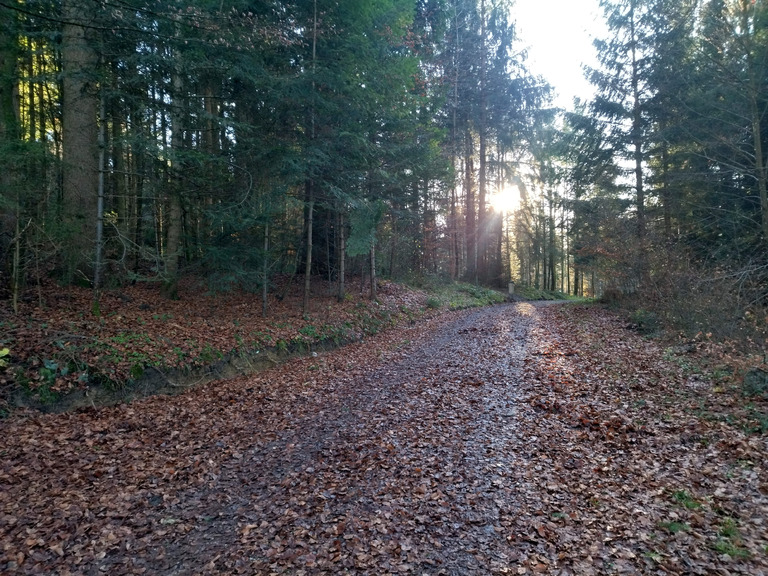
506,200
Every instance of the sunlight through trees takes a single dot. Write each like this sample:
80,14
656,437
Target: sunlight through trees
242,142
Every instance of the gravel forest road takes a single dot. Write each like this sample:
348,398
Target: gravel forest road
516,439
389,456
399,468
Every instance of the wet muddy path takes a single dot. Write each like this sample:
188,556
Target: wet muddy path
389,456
404,468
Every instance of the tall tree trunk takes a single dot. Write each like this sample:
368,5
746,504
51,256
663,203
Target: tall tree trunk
455,248
552,246
760,168
471,216
755,90
136,225
213,145
308,256
482,216
43,107
393,246
10,220
666,193
118,187
173,243
173,247
577,290
79,126
342,258
637,144
9,104
97,268
31,93
310,184
566,271
453,239
373,270
265,272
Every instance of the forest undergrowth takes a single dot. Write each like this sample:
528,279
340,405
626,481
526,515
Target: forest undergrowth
658,454
61,347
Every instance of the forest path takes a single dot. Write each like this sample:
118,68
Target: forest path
388,456
516,439
402,468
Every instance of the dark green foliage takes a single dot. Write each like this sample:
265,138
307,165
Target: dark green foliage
364,219
756,383
220,125
644,321
666,166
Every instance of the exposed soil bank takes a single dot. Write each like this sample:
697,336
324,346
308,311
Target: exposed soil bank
173,381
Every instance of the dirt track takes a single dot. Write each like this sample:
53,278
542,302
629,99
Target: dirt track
400,465
507,440
398,469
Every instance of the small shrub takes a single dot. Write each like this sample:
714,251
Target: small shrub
645,321
433,303
310,331
757,420
674,527
136,371
756,383
611,296
336,334
683,498
728,528
300,344
209,354
724,546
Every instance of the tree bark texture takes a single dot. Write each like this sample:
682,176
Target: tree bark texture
80,104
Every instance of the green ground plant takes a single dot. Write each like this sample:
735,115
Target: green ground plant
686,500
729,541
675,527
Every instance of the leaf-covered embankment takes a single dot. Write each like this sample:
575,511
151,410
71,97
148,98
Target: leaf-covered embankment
65,353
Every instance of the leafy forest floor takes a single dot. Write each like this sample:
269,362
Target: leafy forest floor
65,352
512,439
